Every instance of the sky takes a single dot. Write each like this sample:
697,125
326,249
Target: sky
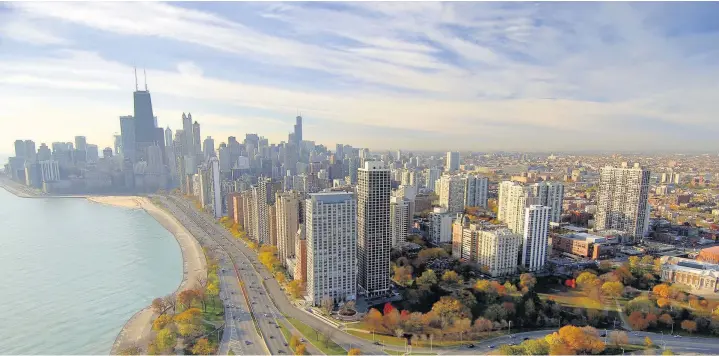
382,75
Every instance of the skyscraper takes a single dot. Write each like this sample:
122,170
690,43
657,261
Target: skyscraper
400,219
208,147
288,220
332,247
188,147
127,132
373,234
20,148
515,197
145,122
451,193
216,188
535,243
92,153
298,131
452,162
475,191
622,201
196,143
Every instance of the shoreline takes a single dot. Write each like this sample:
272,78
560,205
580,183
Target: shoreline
137,330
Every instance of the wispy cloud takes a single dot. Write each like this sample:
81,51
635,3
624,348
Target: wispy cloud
563,70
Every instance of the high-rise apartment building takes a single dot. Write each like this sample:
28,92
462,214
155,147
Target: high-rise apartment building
475,191
451,193
216,188
373,234
331,246
288,221
432,176
452,162
622,202
493,248
400,219
440,226
535,242
515,197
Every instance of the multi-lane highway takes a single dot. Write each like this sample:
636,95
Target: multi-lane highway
240,333
248,287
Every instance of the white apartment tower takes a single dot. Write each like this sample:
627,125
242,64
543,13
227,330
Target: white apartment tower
331,230
373,228
452,162
534,244
440,226
475,191
399,209
288,221
515,197
492,247
622,202
451,193
216,188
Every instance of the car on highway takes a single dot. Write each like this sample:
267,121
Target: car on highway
247,342
272,337
490,346
470,346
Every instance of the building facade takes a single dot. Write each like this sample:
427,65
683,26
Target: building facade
535,242
622,202
373,234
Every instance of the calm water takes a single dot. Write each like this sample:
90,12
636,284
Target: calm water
73,272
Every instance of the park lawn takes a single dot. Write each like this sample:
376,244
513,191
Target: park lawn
215,313
577,299
312,336
285,331
397,341
617,350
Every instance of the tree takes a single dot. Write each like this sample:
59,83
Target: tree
427,279
619,337
327,304
212,290
186,297
166,340
448,309
586,279
295,288
161,322
662,302
527,281
535,346
171,302
402,275
202,347
637,321
661,290
581,340
689,325
666,319
451,279
612,289
294,341
482,325
280,277
495,312
483,285
300,349
373,320
158,306
667,352
391,320
648,342
189,322
387,308
354,352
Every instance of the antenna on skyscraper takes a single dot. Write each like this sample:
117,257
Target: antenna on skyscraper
135,77
145,73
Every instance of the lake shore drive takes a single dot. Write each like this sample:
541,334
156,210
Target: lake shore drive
137,330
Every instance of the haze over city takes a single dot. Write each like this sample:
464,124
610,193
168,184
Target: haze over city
420,76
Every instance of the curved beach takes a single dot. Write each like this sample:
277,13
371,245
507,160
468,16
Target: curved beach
137,330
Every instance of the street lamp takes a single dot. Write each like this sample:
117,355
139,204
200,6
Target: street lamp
509,330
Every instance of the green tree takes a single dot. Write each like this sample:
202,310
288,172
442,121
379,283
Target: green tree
427,279
451,279
166,340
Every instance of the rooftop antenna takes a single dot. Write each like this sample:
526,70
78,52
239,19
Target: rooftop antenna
145,73
135,78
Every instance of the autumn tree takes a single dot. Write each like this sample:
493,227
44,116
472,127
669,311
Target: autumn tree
166,340
586,279
666,319
354,352
662,302
612,289
451,279
619,337
373,319
300,349
661,290
186,297
391,320
448,309
527,281
202,347
648,342
402,275
161,322
427,279
159,306
689,325
327,304
668,352
189,322
280,277
294,341
171,302
213,290
295,288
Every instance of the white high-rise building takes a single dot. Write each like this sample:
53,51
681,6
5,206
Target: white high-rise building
451,193
493,247
432,175
622,202
331,230
288,221
50,171
440,226
400,219
374,238
452,162
475,191
535,242
515,197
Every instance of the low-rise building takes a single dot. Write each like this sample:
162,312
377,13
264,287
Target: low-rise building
697,275
581,244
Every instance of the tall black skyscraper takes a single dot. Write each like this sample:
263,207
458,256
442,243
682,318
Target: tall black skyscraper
146,130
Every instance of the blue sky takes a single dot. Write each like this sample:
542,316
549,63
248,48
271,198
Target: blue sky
463,76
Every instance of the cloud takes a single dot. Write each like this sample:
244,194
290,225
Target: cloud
483,75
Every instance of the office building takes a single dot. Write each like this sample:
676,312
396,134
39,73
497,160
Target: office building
475,191
43,153
196,141
535,242
331,247
30,152
298,131
20,148
81,143
373,233
92,153
208,147
622,202
452,162
127,132
50,171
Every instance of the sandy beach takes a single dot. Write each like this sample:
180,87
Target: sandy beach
138,330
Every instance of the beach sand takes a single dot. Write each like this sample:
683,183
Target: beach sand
138,330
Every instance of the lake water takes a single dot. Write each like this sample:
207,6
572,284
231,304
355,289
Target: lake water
73,272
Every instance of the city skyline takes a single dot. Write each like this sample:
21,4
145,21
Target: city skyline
385,76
